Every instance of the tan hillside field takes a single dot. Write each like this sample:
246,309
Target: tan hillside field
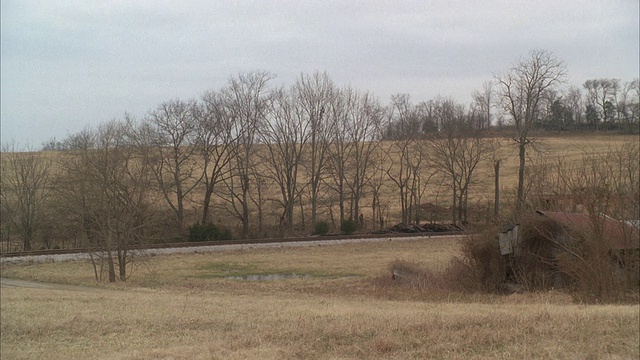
344,306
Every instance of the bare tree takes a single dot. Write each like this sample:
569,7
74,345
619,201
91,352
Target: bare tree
24,189
215,141
365,118
174,159
104,187
521,91
404,155
635,105
422,171
573,99
457,151
484,101
376,183
356,120
313,95
602,94
606,182
285,135
340,149
426,114
399,171
629,105
406,121
248,102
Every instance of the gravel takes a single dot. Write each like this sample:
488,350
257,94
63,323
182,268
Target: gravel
216,248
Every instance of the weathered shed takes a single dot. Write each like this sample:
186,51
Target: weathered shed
509,240
620,234
546,250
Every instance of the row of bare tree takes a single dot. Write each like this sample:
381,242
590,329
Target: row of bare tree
246,145
253,155
605,104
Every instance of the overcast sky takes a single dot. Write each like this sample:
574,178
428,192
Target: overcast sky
67,64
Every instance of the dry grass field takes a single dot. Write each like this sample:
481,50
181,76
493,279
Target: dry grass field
570,148
341,306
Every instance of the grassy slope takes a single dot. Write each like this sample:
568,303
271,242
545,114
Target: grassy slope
186,309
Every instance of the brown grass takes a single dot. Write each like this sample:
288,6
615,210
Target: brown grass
158,324
186,309
327,262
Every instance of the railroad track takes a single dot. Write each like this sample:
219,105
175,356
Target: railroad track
31,253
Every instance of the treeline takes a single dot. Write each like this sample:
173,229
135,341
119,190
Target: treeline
260,160
601,104
267,161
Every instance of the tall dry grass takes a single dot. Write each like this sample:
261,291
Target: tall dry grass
187,308
153,324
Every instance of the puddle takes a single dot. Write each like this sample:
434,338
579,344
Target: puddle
270,277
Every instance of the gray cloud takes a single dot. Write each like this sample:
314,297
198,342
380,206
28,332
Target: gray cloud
66,64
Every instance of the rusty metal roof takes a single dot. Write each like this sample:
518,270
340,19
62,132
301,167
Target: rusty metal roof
620,234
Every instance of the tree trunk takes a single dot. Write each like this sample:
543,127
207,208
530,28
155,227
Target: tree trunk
522,157
341,199
205,206
290,207
314,204
26,245
112,269
454,204
122,264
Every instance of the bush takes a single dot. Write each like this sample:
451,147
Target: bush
535,269
579,260
349,226
417,276
208,232
480,267
594,271
321,228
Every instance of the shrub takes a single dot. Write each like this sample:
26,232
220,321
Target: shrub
412,280
349,226
593,269
321,228
479,267
579,260
535,268
208,232
417,276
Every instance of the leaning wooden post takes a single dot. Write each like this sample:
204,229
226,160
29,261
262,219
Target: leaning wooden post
496,209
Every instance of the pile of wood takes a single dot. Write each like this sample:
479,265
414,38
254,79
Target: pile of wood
424,228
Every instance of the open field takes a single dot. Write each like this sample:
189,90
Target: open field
341,305
570,149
